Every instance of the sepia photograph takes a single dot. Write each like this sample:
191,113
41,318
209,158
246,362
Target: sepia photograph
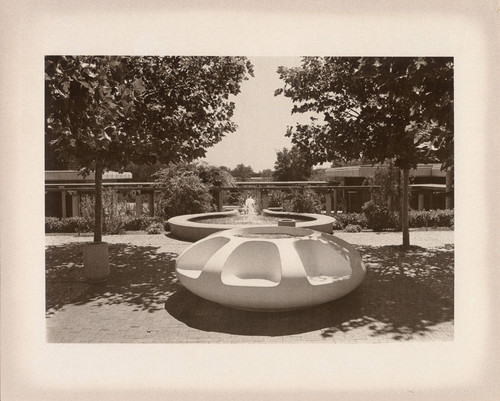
210,200
182,206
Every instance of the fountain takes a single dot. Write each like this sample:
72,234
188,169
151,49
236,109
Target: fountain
193,227
268,268
249,208
247,265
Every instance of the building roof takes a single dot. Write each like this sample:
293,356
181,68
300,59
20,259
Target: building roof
422,170
74,176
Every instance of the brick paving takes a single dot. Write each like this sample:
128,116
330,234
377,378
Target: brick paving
405,297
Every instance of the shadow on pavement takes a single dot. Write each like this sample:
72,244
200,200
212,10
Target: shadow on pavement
403,294
139,276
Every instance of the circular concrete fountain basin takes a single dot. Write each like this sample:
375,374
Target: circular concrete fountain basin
191,227
270,268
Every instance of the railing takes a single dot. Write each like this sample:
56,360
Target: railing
332,193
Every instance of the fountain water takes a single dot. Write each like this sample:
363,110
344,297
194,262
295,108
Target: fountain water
249,208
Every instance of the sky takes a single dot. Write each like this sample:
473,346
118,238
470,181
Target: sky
261,117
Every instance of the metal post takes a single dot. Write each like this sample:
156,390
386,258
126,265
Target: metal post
220,200
344,197
421,200
328,201
335,203
63,204
151,203
75,203
265,198
350,206
138,204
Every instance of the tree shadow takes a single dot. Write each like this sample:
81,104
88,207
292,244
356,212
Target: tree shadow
140,276
403,295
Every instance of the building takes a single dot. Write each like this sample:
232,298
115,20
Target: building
431,188
63,189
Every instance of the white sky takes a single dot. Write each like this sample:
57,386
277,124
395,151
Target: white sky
261,117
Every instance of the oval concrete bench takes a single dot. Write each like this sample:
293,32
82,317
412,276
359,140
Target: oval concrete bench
270,268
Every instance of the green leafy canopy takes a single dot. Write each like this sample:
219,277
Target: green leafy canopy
292,165
377,108
139,109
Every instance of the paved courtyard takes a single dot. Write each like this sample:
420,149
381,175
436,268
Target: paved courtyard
404,297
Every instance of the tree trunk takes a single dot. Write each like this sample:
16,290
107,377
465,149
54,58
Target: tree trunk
98,201
404,209
400,197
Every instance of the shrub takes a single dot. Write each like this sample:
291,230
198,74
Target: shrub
79,224
52,225
388,192
82,225
306,201
342,220
67,225
113,211
155,228
353,228
380,217
111,206
113,224
443,218
210,178
431,218
337,225
140,223
278,198
185,194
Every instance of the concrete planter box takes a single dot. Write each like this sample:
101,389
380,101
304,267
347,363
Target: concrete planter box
96,261
270,268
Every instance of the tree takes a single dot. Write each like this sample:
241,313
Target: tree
143,172
382,210
212,175
377,108
266,174
292,165
186,193
104,112
209,177
242,172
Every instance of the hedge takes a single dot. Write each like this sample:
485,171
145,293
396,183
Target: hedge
417,219
67,225
83,225
353,228
380,217
431,218
140,223
342,220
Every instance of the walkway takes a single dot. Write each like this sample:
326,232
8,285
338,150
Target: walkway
405,297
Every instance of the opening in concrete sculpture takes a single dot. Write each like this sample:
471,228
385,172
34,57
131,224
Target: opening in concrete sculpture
270,268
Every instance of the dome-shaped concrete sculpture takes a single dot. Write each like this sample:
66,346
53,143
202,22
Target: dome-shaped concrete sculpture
270,268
